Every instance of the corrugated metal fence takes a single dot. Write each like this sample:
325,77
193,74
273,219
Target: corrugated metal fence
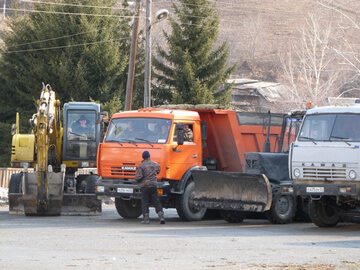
5,174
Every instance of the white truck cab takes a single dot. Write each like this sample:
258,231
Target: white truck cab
324,163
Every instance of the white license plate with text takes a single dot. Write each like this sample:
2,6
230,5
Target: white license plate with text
315,189
125,190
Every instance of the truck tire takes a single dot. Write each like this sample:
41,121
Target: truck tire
128,209
15,183
185,210
232,216
283,208
323,214
91,183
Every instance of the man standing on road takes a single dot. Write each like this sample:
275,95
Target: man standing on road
146,177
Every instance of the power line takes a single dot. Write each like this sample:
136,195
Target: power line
70,13
50,39
235,10
72,5
66,46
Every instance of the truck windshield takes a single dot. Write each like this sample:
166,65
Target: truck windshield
80,134
331,127
138,130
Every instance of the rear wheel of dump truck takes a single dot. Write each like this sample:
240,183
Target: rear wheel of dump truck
282,209
322,213
232,216
128,209
15,183
185,209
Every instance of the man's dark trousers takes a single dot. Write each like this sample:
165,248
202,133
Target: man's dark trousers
150,195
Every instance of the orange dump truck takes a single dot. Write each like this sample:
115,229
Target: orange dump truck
218,140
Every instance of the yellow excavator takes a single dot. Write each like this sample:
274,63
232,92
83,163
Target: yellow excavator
58,161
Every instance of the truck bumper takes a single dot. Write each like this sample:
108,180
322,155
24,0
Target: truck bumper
318,190
127,189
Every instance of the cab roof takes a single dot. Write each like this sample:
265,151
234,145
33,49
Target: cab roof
353,108
160,113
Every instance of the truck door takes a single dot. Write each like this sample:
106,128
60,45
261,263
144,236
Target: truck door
183,157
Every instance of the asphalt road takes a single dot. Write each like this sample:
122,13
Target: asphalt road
110,242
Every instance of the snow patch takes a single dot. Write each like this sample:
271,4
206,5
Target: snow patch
4,198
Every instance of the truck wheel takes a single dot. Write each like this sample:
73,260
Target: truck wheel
185,210
90,184
15,183
282,209
322,214
232,216
128,209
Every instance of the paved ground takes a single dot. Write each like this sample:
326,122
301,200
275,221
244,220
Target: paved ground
110,242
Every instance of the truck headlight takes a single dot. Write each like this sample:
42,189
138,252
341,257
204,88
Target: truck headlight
352,174
297,173
84,164
100,189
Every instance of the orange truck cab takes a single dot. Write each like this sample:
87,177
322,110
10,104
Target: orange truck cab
180,141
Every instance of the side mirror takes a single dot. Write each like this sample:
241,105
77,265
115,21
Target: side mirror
13,129
203,130
103,117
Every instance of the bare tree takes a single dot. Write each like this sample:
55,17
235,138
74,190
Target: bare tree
309,68
349,27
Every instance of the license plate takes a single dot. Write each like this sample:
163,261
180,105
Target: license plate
125,190
128,168
315,189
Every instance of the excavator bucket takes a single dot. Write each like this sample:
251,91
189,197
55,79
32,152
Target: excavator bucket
32,203
231,191
16,205
41,202
81,205
72,205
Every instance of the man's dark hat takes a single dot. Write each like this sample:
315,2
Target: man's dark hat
82,117
145,154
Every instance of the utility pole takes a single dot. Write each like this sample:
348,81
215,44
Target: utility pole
4,10
147,83
131,72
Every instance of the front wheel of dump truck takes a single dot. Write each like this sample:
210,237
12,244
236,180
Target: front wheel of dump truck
232,216
322,213
128,209
185,209
283,208
15,183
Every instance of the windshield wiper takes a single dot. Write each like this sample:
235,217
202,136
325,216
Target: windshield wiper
308,138
129,141
144,140
114,141
341,138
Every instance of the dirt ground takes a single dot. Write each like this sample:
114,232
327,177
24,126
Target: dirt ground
110,242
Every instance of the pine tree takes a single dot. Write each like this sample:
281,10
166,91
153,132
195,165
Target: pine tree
192,69
82,57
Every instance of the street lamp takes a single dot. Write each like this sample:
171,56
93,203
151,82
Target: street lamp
159,16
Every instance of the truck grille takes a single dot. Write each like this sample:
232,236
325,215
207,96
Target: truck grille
120,171
329,174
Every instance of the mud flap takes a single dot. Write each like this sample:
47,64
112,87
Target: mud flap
231,191
81,205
